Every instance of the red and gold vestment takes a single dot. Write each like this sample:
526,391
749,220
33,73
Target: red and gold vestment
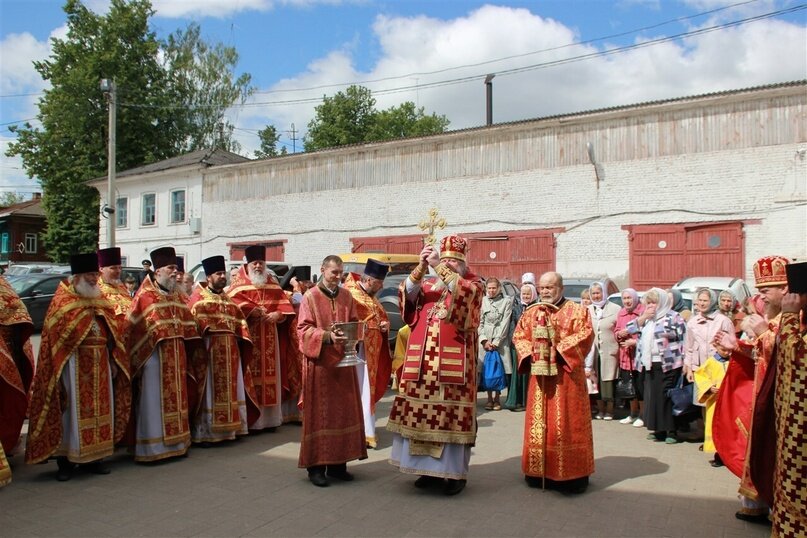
88,329
16,364
333,427
118,295
376,345
552,343
436,403
269,339
220,320
161,321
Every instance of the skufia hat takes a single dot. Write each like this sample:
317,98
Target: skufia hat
108,257
255,253
163,256
376,269
214,264
796,277
84,263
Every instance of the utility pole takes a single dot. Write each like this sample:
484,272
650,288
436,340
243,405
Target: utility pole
293,133
489,98
108,86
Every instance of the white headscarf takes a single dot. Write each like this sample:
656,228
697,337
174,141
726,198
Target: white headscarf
528,277
647,341
601,302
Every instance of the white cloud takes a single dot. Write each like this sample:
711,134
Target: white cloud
759,53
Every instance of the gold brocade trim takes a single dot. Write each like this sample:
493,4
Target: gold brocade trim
342,431
446,274
452,349
459,438
426,448
543,369
741,427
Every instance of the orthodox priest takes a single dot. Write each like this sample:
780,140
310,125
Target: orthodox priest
16,371
109,261
434,415
163,348
227,390
552,339
275,363
333,431
81,393
789,512
374,373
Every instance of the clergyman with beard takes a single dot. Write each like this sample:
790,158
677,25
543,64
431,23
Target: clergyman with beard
228,396
109,261
81,391
163,345
275,364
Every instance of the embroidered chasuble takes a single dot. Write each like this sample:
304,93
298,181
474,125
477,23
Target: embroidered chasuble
16,365
789,515
376,344
5,470
88,331
552,343
333,426
118,295
436,401
228,348
160,327
272,342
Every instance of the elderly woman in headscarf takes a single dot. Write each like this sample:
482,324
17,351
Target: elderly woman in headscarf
494,329
729,306
517,388
603,357
625,322
660,355
701,330
678,304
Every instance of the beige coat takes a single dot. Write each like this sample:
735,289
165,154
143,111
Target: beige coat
604,354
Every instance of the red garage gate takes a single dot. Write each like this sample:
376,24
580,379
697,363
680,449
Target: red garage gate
663,254
506,254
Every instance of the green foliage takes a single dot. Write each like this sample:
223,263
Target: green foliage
8,198
351,118
269,139
202,78
153,119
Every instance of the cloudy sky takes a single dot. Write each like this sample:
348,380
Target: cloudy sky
549,56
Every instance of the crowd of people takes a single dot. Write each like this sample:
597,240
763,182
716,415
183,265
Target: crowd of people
170,366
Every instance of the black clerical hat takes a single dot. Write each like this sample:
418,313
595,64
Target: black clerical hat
376,269
108,257
84,263
180,265
255,253
214,264
163,256
796,277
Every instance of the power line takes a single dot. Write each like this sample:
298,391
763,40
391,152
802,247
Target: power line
506,72
17,121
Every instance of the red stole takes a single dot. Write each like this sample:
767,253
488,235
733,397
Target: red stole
68,322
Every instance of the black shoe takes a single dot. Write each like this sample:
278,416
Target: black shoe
717,462
98,467
762,519
534,481
203,444
452,487
427,481
319,480
273,429
65,471
340,474
573,487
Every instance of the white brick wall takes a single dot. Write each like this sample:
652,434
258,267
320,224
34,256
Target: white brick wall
761,183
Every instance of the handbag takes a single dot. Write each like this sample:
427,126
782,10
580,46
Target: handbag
493,376
681,397
625,388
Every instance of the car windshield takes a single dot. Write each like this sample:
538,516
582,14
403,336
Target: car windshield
23,282
573,291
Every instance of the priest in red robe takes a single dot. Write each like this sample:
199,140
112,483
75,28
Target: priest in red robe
163,348
552,339
275,363
109,262
374,373
434,415
228,396
16,371
80,397
333,429
734,424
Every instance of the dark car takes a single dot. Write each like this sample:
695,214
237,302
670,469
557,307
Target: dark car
388,297
36,290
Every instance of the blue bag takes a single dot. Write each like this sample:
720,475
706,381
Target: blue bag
681,396
493,376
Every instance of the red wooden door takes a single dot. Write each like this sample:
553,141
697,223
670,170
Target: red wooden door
662,254
509,255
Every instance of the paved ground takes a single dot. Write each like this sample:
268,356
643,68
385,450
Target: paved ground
252,487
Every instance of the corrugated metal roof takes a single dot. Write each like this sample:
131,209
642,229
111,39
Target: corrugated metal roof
207,157
31,207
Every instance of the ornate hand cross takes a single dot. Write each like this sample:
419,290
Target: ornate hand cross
433,223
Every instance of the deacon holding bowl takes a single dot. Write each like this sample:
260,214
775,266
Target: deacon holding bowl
333,428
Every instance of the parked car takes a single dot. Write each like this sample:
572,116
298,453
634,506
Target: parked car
690,285
573,287
36,268
388,297
36,291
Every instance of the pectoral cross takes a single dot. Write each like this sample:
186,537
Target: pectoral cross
433,223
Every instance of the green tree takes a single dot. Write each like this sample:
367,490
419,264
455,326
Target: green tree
351,118
203,80
8,198
269,139
154,121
